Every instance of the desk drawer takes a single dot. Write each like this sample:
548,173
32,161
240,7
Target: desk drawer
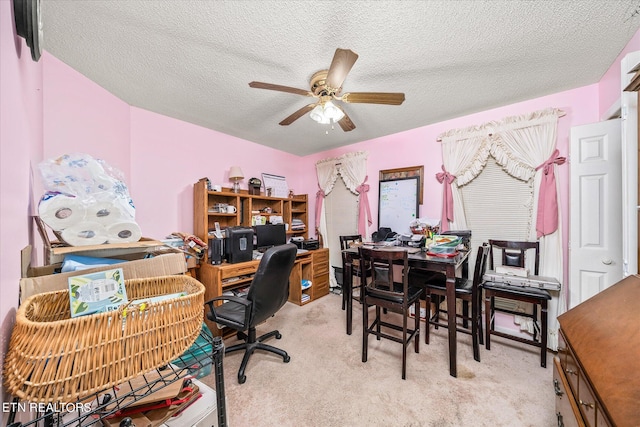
571,370
322,269
586,401
321,261
242,269
321,285
567,412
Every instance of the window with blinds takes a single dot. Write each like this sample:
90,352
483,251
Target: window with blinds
497,206
341,208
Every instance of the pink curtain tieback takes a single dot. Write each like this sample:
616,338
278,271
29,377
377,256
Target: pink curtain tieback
364,209
446,179
319,199
547,215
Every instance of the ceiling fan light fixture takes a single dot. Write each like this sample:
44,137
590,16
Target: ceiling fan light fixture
326,113
332,112
317,114
326,86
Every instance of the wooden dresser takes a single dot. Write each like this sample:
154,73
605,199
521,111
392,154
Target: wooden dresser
597,370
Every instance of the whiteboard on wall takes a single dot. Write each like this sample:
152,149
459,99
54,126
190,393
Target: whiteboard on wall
398,204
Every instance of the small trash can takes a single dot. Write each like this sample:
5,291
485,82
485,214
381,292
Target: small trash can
338,274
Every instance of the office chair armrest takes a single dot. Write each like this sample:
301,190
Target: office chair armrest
233,298
230,299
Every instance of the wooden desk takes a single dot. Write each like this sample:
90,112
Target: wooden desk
311,265
449,266
597,372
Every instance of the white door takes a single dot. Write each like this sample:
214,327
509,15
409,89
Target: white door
595,222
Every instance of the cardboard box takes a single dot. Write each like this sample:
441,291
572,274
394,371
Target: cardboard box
202,413
54,252
36,280
423,311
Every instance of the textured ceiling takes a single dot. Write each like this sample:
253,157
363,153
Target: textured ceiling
193,60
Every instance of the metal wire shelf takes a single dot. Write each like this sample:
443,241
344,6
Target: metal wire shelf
91,410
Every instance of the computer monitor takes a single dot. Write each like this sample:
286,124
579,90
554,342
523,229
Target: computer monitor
238,245
270,235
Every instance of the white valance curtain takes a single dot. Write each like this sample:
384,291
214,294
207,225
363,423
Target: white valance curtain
525,146
352,168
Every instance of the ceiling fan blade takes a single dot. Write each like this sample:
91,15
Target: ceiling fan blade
295,116
387,98
279,88
341,64
345,123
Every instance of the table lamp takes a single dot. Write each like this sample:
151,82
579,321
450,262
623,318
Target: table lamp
235,175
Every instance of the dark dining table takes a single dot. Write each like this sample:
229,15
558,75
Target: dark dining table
451,267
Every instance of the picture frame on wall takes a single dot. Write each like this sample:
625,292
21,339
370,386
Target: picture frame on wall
408,172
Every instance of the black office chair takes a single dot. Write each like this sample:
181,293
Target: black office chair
467,290
513,255
383,292
268,292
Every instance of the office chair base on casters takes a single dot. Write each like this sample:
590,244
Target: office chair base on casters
252,344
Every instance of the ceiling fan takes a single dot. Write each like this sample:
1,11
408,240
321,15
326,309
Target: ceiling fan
326,86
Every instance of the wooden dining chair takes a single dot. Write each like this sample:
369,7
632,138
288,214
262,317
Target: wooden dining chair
347,242
468,291
385,293
513,254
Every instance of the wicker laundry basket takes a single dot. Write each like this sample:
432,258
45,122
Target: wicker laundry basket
55,358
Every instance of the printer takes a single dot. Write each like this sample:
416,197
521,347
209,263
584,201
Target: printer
310,244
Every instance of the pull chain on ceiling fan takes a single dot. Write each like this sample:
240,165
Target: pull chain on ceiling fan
326,86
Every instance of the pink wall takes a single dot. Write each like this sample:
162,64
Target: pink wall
21,139
169,156
82,117
419,147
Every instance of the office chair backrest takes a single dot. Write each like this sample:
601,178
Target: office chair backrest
269,289
514,252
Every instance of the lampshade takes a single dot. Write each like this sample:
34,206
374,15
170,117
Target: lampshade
235,173
332,112
317,114
326,113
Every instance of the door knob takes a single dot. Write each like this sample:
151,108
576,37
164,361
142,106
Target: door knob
607,261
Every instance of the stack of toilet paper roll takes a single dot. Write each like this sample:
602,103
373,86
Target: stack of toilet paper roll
87,201
89,221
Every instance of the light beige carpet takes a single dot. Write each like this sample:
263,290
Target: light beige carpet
327,384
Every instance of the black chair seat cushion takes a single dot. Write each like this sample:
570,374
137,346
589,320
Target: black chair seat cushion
413,293
440,283
232,314
525,291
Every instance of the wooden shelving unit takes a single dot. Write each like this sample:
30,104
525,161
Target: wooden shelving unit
206,212
217,279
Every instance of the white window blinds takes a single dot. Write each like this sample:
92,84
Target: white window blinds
497,206
341,207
